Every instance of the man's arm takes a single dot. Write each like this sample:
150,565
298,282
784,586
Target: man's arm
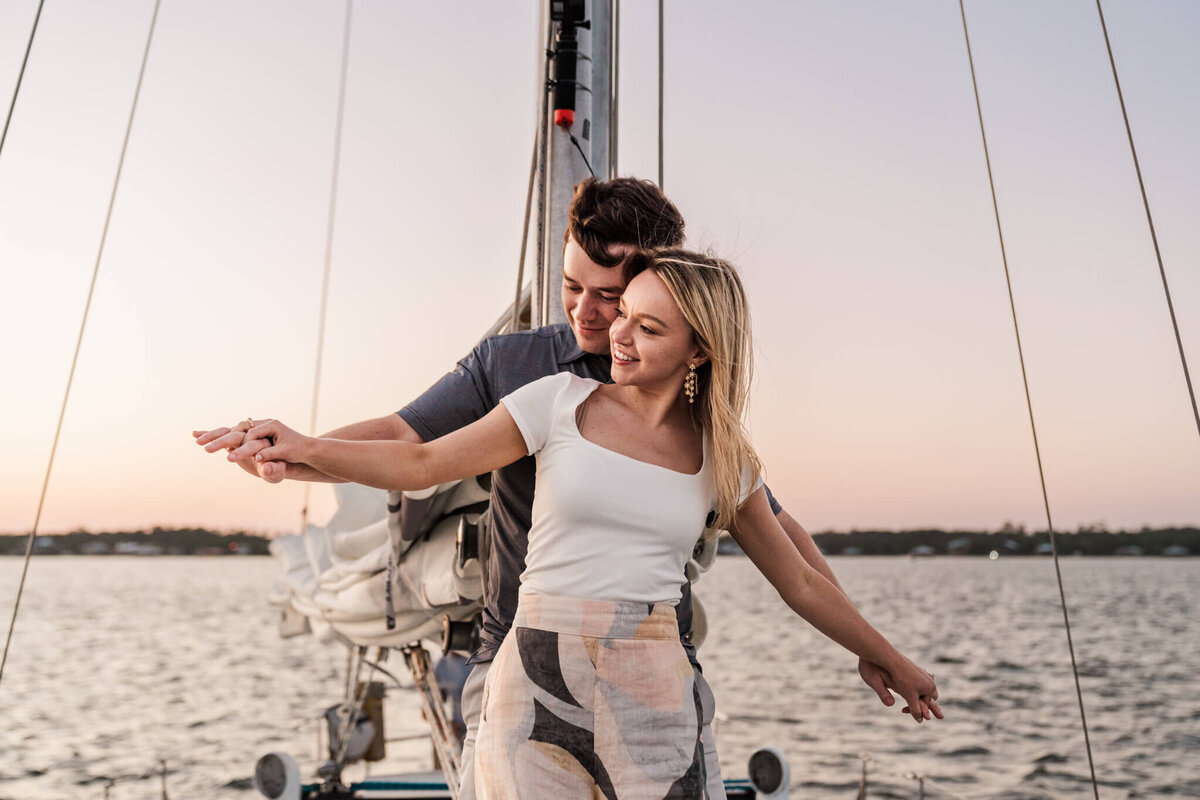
807,547
872,674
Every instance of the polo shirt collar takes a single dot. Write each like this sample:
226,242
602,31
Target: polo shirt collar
571,351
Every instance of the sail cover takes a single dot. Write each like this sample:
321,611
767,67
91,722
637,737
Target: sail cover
335,578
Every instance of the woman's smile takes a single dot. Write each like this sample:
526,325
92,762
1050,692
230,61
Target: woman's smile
621,357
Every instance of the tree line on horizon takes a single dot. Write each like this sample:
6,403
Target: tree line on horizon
1093,540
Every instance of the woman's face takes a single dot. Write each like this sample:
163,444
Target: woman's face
652,343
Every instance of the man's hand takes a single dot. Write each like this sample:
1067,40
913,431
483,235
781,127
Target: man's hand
878,679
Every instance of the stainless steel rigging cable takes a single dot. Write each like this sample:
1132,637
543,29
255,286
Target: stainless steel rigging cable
79,340
1029,402
660,93
537,172
614,84
539,305
515,323
337,155
1149,218
21,75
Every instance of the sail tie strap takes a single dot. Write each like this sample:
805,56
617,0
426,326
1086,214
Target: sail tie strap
1029,404
1149,219
79,340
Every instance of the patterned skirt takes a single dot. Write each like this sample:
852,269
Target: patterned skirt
590,699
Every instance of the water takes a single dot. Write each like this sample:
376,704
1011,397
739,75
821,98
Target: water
119,663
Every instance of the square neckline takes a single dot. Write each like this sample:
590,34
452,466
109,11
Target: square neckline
598,446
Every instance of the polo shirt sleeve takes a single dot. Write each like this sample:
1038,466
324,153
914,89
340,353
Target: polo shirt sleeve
775,507
532,408
459,398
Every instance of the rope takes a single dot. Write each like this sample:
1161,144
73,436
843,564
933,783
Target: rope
660,93
1029,403
329,228
445,742
78,342
363,688
1149,218
20,75
922,781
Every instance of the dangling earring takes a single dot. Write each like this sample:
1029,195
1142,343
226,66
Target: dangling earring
689,384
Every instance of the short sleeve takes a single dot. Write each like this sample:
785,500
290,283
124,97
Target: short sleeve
775,507
532,407
456,400
750,483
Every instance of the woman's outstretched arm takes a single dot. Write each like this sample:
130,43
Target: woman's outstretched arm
818,601
487,444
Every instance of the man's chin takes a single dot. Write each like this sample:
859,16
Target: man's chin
594,342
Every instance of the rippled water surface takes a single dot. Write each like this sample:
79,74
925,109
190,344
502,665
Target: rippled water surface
121,663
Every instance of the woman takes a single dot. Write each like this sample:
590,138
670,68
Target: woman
592,692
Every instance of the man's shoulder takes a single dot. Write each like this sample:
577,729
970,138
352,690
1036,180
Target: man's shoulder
539,351
511,360
552,338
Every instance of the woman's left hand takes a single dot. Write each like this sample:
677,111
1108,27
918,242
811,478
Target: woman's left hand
285,444
918,689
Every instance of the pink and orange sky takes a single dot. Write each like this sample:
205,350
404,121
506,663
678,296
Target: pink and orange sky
830,148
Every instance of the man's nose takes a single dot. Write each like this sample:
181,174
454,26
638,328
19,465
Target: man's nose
586,310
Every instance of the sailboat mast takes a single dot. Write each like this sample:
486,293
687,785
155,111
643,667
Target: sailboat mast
580,33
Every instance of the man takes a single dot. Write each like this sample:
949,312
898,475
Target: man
608,221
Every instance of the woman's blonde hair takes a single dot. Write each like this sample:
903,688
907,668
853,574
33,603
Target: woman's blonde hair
710,295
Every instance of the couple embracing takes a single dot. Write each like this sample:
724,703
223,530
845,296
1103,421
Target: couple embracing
614,441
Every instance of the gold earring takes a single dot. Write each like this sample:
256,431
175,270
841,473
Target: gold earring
689,384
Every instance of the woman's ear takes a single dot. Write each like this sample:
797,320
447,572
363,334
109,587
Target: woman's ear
698,358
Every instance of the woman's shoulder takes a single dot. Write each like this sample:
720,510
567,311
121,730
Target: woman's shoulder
553,391
564,382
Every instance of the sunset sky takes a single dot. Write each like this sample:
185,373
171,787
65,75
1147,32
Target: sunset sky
830,148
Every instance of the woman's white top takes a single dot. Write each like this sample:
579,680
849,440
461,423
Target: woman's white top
605,525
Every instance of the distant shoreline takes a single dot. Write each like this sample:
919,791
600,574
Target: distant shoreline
1008,541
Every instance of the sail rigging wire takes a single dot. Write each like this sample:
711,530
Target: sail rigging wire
660,93
614,83
1187,377
21,74
79,340
515,323
537,172
538,300
1029,403
329,228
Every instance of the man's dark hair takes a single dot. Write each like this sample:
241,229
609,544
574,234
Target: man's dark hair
623,211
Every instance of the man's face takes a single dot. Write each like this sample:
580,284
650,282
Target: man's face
589,294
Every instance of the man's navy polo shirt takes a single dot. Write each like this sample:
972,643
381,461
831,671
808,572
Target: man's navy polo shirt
498,366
